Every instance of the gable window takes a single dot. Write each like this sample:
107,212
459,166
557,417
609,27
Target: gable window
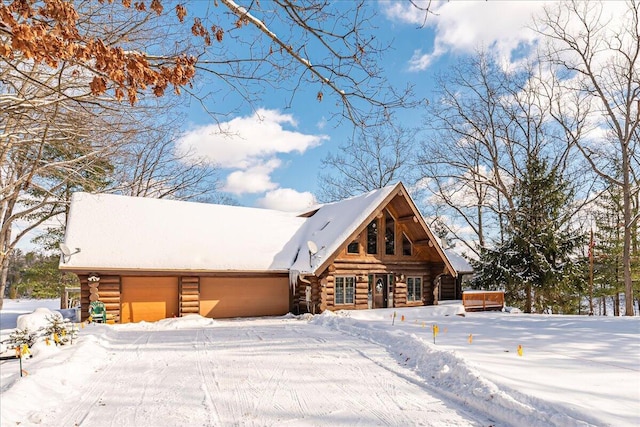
345,289
389,234
406,245
372,237
414,288
353,247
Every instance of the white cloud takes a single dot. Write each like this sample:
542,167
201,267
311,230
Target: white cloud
253,179
322,123
463,27
249,146
287,199
501,27
421,61
242,141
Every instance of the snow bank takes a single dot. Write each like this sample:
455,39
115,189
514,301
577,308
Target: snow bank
446,308
55,378
40,318
190,321
445,372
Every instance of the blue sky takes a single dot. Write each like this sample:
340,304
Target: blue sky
275,162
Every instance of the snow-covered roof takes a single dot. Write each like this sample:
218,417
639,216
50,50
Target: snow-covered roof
332,224
460,264
135,233
121,232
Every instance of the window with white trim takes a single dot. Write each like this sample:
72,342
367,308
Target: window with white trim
345,287
414,288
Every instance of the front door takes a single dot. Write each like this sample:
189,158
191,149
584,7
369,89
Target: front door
380,291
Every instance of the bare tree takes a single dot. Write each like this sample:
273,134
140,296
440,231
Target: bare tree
56,137
467,163
330,46
486,123
600,60
150,165
46,151
371,160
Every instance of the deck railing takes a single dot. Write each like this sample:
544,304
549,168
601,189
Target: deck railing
483,300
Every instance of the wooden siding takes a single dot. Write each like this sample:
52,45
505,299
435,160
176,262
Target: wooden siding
423,249
222,297
424,262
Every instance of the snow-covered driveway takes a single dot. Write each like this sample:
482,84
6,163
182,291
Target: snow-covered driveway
250,372
345,368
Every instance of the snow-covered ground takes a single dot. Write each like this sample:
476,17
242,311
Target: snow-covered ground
348,368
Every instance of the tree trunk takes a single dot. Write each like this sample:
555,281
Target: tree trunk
528,302
4,273
4,262
628,226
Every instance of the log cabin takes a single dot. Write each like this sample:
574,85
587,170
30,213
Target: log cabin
149,259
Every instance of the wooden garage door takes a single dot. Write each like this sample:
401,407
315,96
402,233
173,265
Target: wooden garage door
148,298
242,297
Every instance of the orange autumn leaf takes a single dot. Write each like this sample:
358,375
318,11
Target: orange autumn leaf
181,12
98,85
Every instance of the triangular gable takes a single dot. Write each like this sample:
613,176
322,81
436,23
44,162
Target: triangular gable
436,241
332,226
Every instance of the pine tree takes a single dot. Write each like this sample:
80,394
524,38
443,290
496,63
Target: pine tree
23,336
535,265
60,330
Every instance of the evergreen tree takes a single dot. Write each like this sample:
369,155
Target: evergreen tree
535,265
42,279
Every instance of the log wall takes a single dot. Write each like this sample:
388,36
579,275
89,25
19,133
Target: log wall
300,297
448,288
361,269
108,291
189,294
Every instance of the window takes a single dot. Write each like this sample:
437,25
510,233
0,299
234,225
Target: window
406,245
353,247
345,289
372,237
414,289
389,234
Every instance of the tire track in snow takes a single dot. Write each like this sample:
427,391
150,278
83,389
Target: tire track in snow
379,407
254,372
208,402
91,396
